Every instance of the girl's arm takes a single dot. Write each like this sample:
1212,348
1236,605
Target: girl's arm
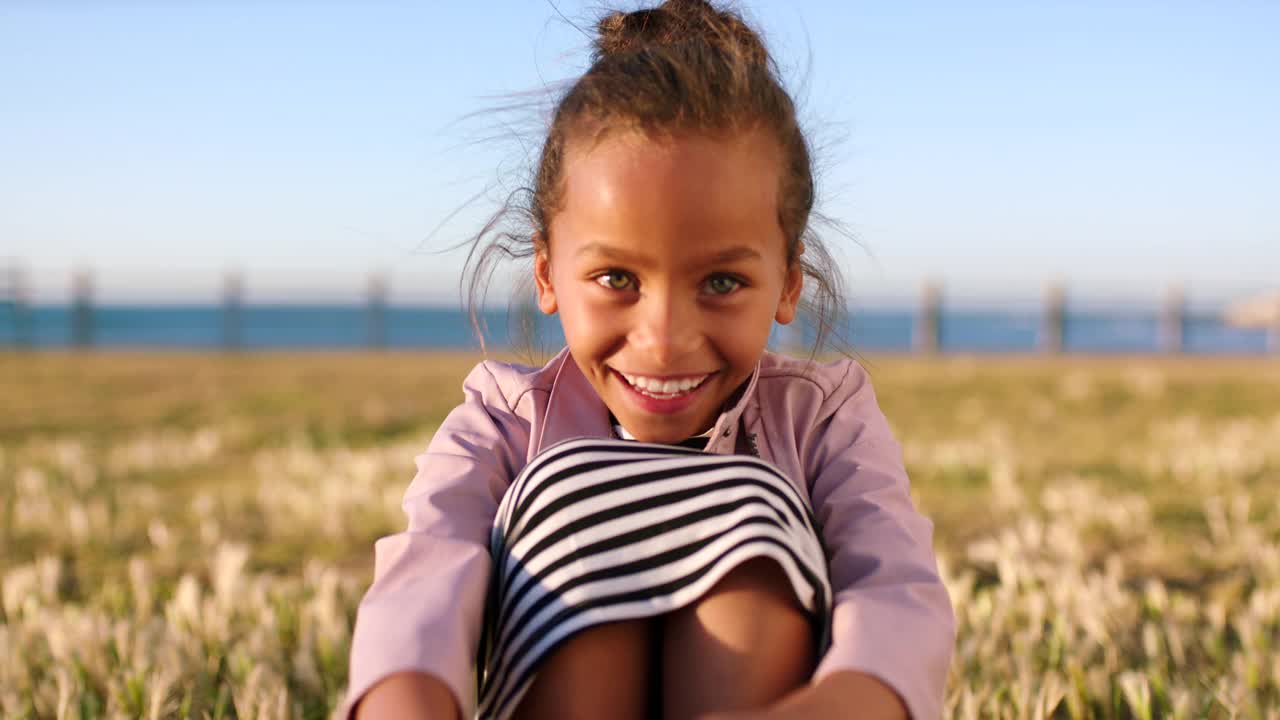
892,616
421,617
411,696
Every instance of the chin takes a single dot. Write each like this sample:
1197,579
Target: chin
671,431
667,437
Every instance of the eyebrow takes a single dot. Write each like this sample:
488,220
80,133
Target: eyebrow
733,254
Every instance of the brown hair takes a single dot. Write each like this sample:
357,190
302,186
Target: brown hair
684,66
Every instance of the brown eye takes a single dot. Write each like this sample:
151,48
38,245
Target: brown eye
615,280
722,284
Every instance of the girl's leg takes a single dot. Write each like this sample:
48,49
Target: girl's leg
601,672
743,645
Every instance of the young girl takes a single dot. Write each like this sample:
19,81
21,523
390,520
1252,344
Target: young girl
666,520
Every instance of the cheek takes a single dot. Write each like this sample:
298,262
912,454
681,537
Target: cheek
585,319
745,334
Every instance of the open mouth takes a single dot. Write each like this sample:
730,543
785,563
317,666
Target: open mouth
664,389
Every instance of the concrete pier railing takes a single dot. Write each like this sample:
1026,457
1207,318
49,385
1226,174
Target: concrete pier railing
933,326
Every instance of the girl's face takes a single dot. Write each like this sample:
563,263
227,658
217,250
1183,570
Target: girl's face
668,267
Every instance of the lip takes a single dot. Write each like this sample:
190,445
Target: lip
660,406
665,377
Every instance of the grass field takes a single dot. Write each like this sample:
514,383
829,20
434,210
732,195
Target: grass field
188,535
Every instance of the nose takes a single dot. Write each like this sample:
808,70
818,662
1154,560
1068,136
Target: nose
665,328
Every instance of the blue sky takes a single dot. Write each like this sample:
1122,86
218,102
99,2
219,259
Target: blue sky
1116,146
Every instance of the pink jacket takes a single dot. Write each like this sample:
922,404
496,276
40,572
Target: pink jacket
818,423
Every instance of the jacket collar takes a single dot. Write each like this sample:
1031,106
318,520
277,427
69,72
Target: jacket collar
574,409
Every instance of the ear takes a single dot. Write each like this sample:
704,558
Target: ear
792,284
542,276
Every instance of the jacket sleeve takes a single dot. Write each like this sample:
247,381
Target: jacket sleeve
424,609
892,616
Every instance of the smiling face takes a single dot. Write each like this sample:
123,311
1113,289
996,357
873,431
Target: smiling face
668,267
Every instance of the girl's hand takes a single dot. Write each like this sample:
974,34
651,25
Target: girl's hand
846,694
408,695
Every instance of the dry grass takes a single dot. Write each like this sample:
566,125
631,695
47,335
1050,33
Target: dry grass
188,535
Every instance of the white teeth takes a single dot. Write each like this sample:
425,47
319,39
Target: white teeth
662,387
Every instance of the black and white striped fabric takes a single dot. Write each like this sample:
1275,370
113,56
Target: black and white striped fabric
595,531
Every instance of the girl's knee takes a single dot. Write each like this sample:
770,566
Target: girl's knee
762,578
745,644
754,600
568,684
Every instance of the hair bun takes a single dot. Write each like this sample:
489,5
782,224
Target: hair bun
677,22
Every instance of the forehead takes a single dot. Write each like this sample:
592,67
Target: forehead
686,193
